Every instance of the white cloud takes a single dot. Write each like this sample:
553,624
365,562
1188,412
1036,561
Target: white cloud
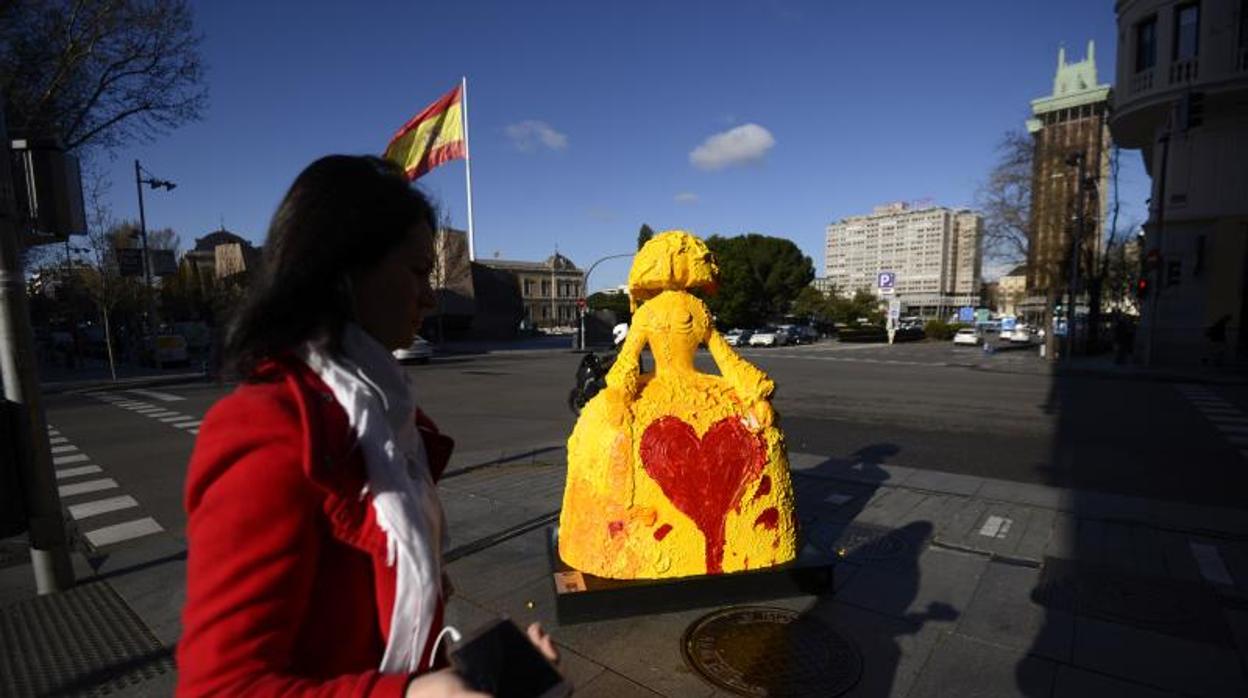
737,146
531,135
686,197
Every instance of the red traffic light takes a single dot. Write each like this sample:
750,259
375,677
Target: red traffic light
1141,287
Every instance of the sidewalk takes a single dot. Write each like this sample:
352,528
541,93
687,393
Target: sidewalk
94,373
947,585
1104,366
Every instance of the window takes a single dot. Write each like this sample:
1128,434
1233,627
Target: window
1146,44
528,287
1186,31
546,289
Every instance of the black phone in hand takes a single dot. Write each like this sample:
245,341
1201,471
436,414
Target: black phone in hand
500,660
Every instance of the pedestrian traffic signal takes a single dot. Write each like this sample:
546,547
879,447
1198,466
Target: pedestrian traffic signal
1141,287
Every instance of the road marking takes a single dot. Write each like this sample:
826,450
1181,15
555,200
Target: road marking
163,397
175,418
53,432
996,527
162,413
183,423
1220,419
131,403
101,506
188,425
193,431
149,408
67,448
75,472
123,531
66,460
1210,564
1233,428
88,486
57,440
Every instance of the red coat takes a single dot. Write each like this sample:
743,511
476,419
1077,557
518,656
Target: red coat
288,591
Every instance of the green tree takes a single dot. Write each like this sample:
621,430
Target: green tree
760,277
615,302
100,72
813,305
644,235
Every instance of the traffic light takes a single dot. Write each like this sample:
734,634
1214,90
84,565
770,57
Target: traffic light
1141,287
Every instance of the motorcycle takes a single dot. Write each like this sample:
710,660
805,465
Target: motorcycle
591,377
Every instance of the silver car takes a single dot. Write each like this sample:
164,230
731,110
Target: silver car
419,352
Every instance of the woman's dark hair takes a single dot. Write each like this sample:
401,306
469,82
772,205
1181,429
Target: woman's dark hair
342,214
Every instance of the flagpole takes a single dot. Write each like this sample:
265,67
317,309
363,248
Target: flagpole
472,248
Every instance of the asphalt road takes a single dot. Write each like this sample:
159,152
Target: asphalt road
927,406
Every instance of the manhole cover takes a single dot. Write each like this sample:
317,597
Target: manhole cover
764,651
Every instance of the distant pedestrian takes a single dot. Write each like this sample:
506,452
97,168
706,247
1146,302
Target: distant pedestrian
314,527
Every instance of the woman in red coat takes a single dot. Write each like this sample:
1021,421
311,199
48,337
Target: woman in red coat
314,528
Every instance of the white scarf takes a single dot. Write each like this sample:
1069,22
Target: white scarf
375,392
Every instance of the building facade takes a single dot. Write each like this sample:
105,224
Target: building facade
1071,121
550,289
1012,291
1181,98
222,254
822,284
935,253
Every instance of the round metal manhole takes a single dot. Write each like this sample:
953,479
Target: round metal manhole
765,651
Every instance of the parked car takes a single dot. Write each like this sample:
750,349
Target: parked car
737,337
767,337
801,334
419,351
909,333
967,335
1021,335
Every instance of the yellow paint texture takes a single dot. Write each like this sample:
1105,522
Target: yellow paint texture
646,495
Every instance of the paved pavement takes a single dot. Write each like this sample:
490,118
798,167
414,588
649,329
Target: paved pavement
962,570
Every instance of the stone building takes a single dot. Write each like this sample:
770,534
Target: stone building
550,289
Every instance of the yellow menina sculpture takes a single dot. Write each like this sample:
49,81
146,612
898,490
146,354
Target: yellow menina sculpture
677,473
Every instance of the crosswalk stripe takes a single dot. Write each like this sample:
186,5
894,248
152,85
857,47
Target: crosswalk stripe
123,531
174,418
188,425
65,448
66,460
101,506
193,431
75,472
163,397
57,440
1233,428
88,486
148,409
162,413
53,432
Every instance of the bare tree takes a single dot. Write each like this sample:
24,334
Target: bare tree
1004,198
100,72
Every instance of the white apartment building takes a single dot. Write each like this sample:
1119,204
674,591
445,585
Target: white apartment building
935,253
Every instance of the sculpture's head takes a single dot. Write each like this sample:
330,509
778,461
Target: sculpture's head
671,261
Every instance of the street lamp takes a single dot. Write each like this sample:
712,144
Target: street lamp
154,183
585,288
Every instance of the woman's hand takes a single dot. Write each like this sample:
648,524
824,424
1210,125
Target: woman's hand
543,642
444,683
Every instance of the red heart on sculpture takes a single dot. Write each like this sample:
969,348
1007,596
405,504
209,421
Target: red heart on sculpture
703,478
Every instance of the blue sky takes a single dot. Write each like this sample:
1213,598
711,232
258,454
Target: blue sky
584,116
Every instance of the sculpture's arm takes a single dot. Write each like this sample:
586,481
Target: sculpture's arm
625,373
751,384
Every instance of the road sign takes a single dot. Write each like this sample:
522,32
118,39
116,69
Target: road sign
1008,323
894,309
129,261
966,314
887,282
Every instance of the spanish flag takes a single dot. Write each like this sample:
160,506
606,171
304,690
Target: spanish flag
432,137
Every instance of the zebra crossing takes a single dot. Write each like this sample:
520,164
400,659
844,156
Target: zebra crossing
158,411
103,516
1225,416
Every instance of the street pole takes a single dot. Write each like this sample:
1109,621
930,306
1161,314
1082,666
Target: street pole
147,262
585,290
1072,293
49,551
1161,222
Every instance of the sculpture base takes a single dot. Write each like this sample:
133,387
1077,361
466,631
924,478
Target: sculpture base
581,597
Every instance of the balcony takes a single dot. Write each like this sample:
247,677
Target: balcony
1142,81
1184,71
